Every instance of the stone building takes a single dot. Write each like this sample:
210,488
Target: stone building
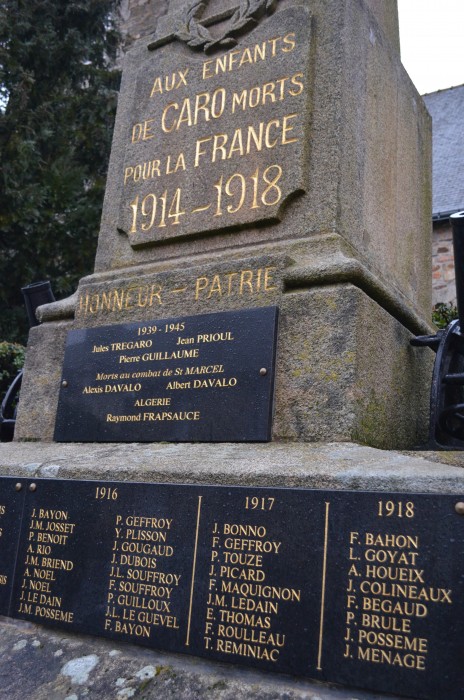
446,108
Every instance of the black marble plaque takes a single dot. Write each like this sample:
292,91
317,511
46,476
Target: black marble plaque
207,378
11,508
361,589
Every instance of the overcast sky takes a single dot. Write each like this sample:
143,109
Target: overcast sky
432,42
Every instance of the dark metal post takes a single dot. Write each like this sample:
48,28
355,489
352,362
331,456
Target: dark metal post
35,295
457,222
447,395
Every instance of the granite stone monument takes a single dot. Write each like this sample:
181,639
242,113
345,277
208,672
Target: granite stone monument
196,465
269,153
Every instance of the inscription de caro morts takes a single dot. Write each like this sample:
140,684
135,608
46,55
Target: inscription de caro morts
216,142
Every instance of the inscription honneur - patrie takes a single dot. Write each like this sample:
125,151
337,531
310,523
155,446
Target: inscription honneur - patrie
216,141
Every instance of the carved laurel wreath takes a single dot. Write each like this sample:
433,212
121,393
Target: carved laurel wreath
197,36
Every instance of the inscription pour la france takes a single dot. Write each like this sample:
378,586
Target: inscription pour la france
255,190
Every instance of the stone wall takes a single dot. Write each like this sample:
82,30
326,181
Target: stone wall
443,275
139,17
386,13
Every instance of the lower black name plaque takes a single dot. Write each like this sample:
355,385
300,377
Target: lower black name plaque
362,589
207,378
11,508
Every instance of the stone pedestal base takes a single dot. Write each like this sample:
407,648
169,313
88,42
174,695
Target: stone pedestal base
345,368
344,466
45,665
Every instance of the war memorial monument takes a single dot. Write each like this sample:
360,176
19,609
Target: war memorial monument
212,491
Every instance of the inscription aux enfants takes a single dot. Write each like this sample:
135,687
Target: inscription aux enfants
215,142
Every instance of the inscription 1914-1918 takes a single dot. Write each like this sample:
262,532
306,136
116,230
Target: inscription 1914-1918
215,142
364,589
196,378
